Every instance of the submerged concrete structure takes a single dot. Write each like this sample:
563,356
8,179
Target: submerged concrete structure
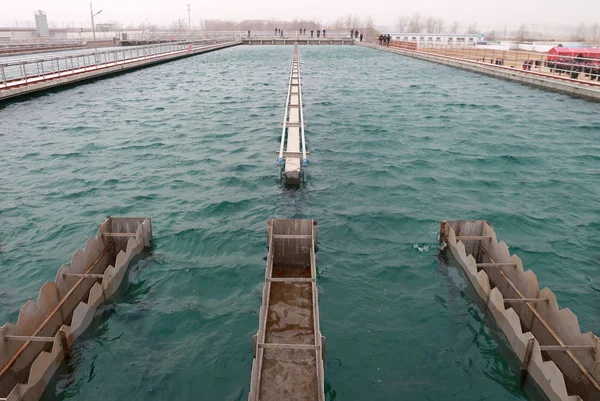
562,361
32,350
288,349
294,159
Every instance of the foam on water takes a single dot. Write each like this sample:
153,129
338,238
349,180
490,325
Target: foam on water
397,145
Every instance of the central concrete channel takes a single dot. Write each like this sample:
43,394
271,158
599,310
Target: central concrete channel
288,349
295,156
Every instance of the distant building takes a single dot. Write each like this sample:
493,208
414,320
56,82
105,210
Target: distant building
452,39
41,23
107,27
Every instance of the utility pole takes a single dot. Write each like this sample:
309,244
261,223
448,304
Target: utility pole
93,15
189,19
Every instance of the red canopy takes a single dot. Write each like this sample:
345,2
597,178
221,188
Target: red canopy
567,52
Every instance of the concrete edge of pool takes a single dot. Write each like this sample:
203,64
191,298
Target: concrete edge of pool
565,86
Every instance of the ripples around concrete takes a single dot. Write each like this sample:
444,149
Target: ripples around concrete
397,144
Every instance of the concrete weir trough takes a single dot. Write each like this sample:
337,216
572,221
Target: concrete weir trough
32,350
294,159
561,360
288,350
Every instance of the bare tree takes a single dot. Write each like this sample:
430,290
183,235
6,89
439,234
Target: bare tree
595,32
522,33
369,27
454,27
402,23
348,20
472,29
439,25
491,35
430,24
579,33
355,22
339,23
415,25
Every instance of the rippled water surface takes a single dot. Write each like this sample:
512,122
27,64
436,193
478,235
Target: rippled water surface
398,145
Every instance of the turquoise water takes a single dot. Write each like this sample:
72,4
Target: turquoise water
398,145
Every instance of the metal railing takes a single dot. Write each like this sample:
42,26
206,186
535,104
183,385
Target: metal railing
178,36
583,69
31,47
293,34
16,43
301,107
285,115
20,72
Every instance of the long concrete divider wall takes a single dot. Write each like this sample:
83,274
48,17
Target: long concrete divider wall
578,359
72,77
32,350
544,81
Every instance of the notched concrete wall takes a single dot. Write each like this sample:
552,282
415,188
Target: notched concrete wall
66,307
538,319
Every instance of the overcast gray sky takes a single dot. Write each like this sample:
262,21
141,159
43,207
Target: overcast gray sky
383,12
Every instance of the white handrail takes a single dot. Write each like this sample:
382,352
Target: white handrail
304,161
287,102
14,71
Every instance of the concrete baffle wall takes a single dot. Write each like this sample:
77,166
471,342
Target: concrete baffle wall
568,375
66,307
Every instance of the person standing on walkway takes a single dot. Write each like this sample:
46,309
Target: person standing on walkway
275,31
304,31
361,37
323,32
351,33
311,33
248,33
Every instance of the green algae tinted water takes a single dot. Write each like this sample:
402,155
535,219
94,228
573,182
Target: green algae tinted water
397,144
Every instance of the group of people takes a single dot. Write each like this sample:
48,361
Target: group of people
301,32
355,34
527,64
279,32
574,67
384,40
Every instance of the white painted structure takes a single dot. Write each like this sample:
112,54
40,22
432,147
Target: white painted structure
41,23
452,39
542,47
